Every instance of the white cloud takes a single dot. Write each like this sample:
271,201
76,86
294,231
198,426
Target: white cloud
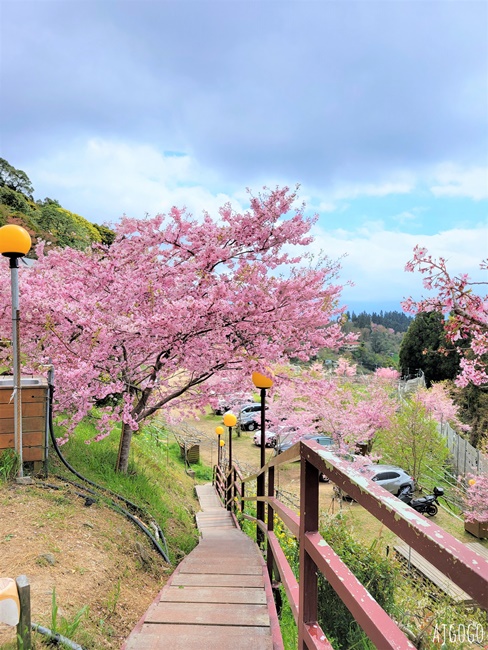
407,216
103,179
452,180
401,185
376,259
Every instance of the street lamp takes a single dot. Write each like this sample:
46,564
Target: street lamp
15,242
230,421
219,431
263,383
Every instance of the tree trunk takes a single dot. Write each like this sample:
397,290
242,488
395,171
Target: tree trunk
124,448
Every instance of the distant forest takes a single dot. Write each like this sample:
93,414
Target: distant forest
395,320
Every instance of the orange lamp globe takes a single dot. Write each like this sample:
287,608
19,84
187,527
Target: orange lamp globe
230,420
15,241
261,381
219,430
222,443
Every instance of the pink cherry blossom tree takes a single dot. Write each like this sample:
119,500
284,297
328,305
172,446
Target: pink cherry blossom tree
314,402
467,325
439,405
476,499
143,324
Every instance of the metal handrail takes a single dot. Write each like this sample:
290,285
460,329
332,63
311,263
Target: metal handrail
460,564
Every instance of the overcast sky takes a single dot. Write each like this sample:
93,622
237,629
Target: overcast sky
379,109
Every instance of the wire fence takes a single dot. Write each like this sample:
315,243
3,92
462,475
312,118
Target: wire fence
466,459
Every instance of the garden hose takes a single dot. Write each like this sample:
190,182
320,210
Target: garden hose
55,638
162,551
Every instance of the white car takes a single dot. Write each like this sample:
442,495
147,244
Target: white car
270,438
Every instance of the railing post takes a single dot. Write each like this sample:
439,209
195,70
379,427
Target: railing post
243,494
24,627
309,522
269,553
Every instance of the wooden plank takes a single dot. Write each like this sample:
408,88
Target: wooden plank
236,595
30,454
478,548
434,575
199,637
28,425
217,580
29,409
29,394
209,614
198,566
35,439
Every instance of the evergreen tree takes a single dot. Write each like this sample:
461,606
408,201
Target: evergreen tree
424,347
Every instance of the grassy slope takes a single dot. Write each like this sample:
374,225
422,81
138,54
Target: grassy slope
97,552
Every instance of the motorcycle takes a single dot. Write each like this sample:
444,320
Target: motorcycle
425,505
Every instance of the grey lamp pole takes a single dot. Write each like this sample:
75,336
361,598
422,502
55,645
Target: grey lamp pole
15,242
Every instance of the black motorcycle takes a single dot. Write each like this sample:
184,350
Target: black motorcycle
425,505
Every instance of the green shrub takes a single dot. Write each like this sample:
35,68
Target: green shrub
9,464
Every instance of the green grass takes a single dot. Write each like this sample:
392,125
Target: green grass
155,480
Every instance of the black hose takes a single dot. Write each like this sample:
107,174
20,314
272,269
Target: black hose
163,552
55,638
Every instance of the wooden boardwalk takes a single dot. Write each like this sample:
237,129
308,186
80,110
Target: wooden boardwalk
218,597
429,571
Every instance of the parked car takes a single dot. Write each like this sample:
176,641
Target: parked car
285,442
270,438
231,402
248,416
391,478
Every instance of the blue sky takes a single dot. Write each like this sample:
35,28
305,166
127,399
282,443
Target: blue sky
379,110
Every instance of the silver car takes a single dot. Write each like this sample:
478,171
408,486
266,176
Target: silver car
390,477
248,416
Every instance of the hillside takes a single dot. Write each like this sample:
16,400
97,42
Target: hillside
93,556
46,218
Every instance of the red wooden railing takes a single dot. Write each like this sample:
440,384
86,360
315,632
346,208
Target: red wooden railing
459,563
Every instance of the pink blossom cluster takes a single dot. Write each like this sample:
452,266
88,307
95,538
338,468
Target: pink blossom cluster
467,324
314,402
439,404
387,374
476,501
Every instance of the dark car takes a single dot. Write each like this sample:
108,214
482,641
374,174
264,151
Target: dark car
248,416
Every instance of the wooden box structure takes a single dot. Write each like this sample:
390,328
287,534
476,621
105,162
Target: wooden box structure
191,452
34,417
477,528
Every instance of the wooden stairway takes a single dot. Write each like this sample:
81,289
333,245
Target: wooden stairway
218,597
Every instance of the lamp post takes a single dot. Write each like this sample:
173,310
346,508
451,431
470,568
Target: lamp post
15,242
219,431
263,383
230,421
